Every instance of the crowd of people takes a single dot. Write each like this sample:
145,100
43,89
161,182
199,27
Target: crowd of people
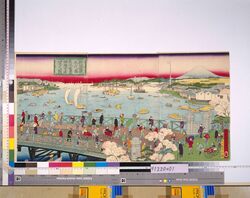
86,127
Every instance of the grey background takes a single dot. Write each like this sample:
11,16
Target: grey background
150,26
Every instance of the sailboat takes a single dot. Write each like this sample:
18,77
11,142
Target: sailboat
77,95
131,97
66,95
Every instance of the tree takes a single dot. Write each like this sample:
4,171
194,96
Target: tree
114,152
221,106
222,109
221,120
164,150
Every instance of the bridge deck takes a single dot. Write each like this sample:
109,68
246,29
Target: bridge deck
86,148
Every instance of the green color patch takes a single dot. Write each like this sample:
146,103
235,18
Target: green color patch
89,164
11,155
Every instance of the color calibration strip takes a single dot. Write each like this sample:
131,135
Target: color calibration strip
11,139
8,98
67,168
5,102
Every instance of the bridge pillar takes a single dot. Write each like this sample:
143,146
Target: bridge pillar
32,153
172,125
19,148
59,154
73,156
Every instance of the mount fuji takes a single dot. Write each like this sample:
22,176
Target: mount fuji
198,72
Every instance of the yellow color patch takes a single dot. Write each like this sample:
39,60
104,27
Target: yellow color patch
11,144
77,164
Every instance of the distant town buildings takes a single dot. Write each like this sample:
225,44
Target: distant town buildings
206,95
201,94
30,85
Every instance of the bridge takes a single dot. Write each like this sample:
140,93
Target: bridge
74,120
48,142
41,146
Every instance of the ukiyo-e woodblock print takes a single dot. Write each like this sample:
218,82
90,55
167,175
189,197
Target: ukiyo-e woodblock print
123,107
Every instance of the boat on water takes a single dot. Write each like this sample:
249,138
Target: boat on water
143,111
66,97
194,110
40,92
118,106
188,108
155,95
78,96
184,107
206,108
98,110
175,116
51,101
52,93
131,96
169,105
32,104
111,92
140,90
176,100
109,106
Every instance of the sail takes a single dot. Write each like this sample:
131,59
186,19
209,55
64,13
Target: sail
66,95
85,89
76,95
131,97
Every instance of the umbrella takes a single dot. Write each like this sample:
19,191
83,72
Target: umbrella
108,133
207,136
87,134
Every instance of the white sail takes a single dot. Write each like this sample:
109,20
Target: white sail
85,89
131,97
66,95
76,95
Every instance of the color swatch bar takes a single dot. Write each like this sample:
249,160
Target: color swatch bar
11,135
60,165
66,164
67,168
